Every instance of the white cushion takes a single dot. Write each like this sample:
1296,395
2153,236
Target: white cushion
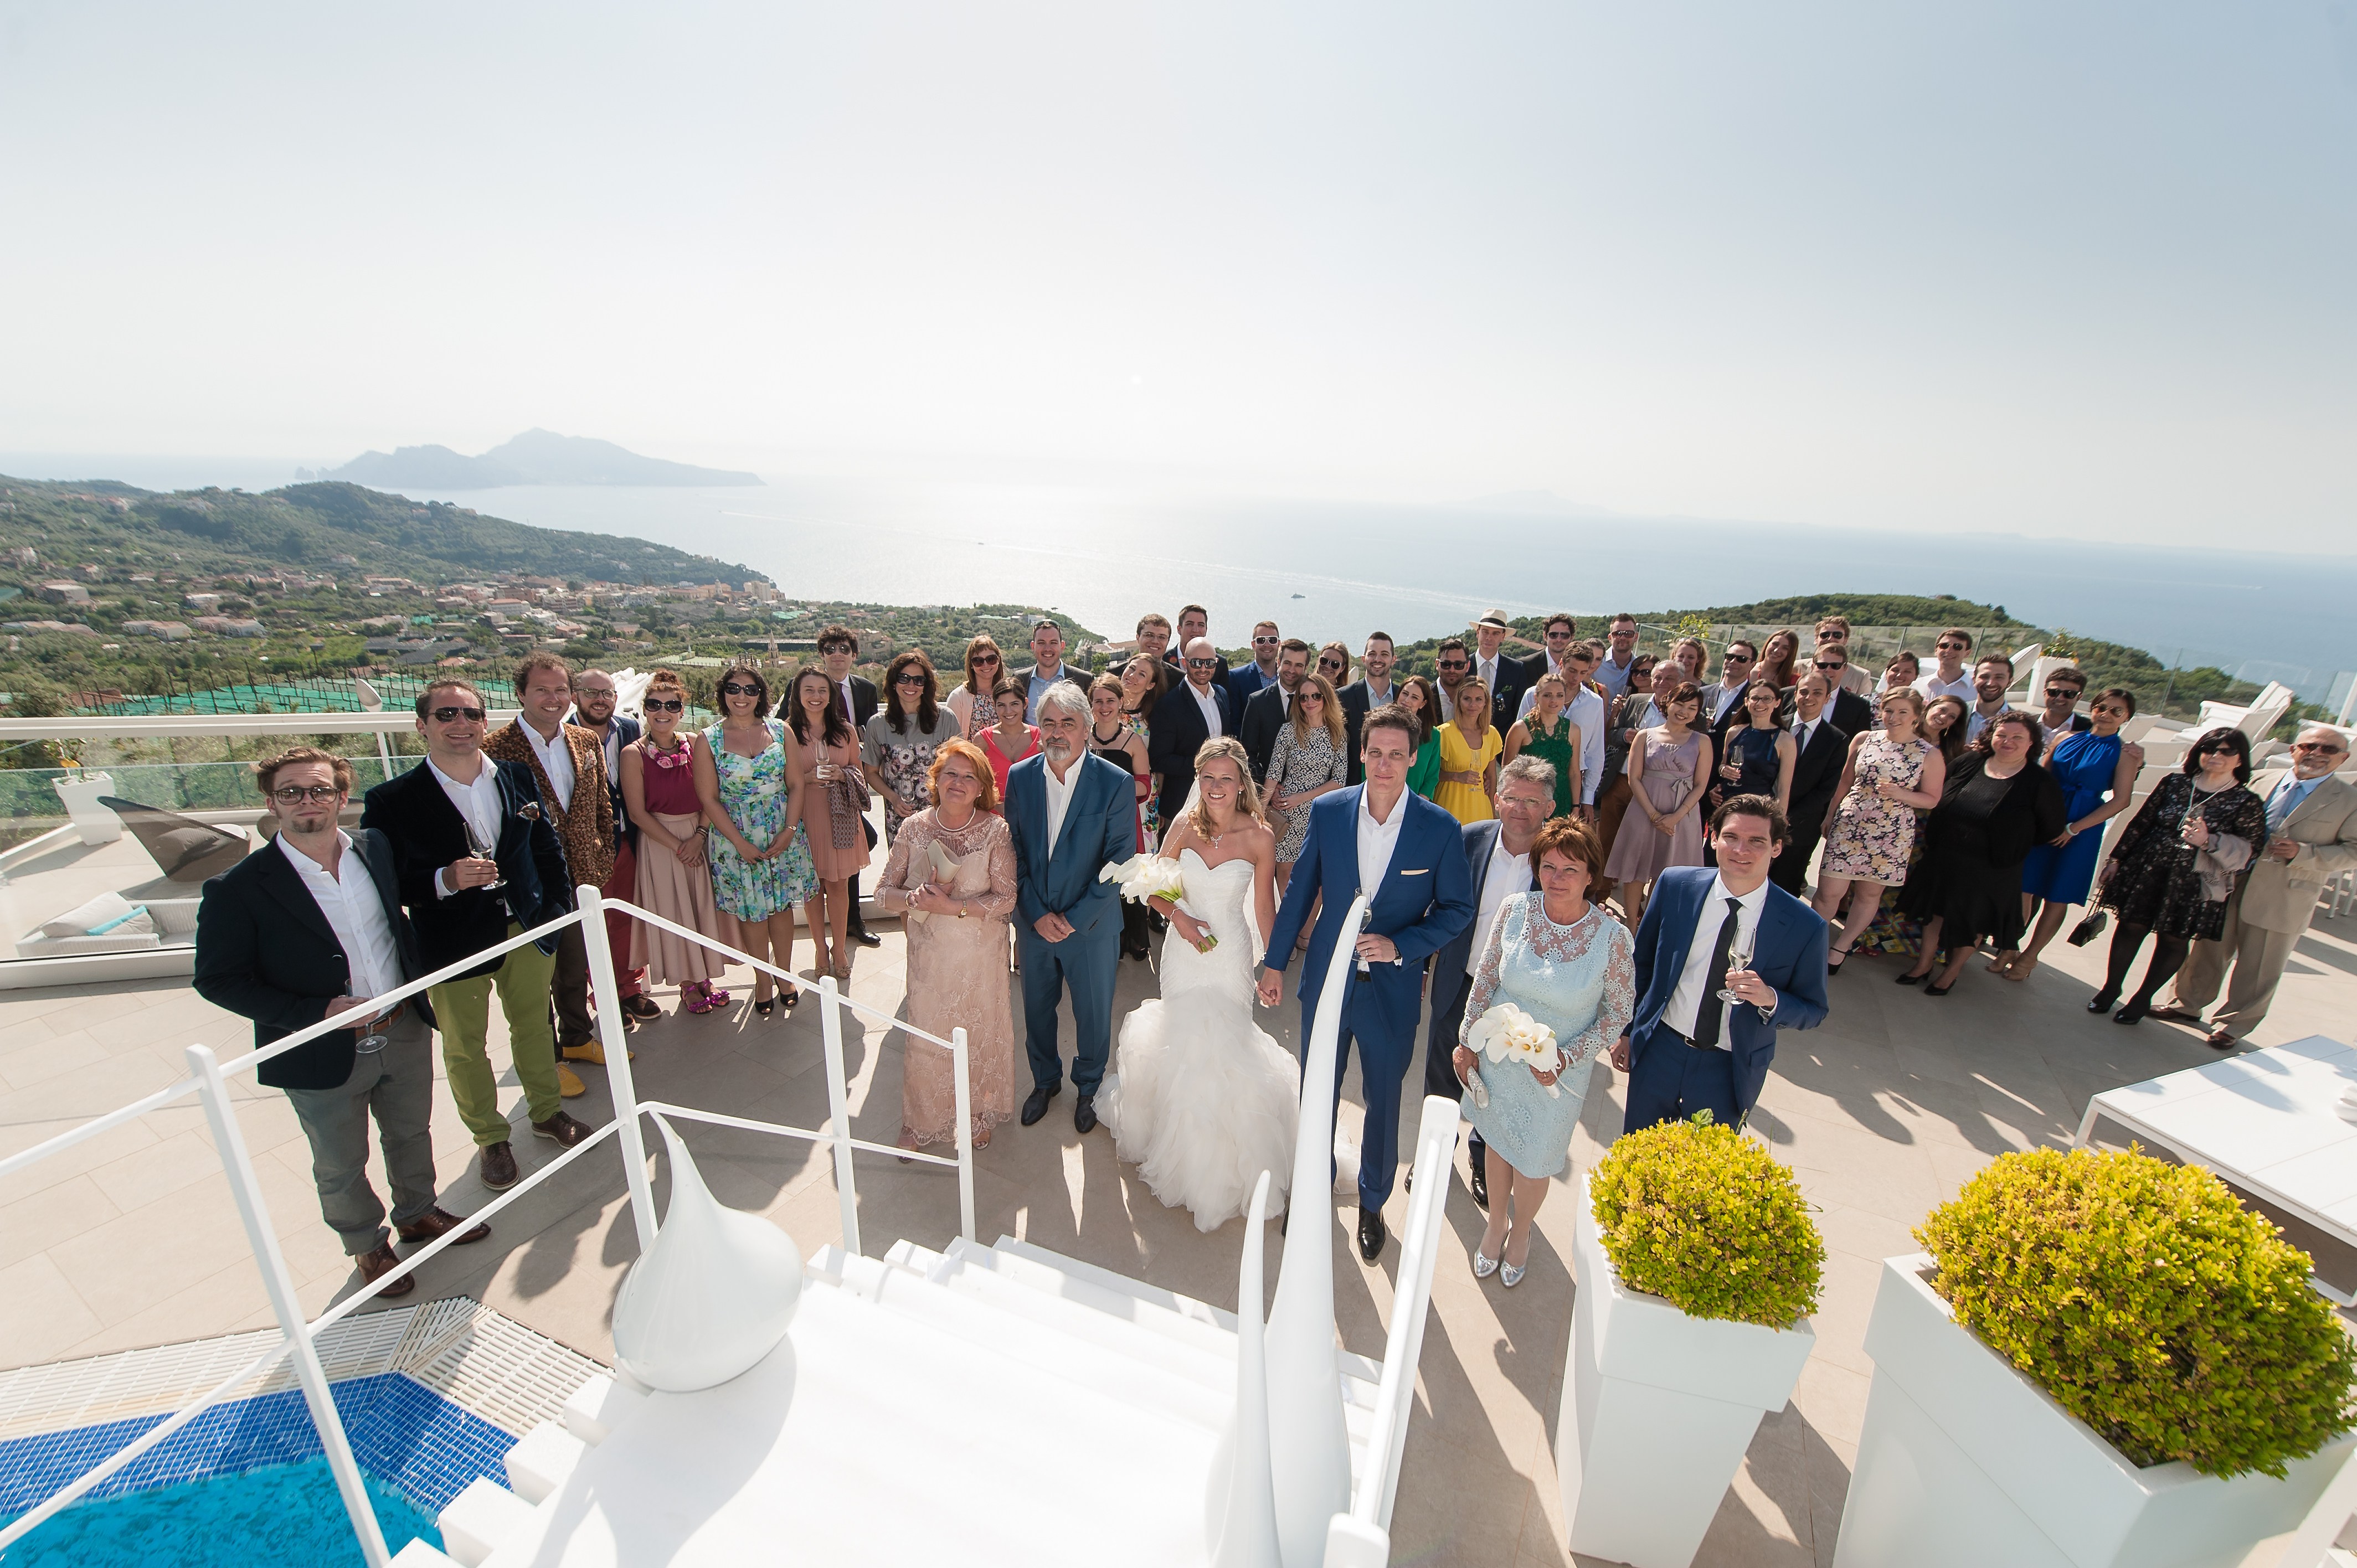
79,923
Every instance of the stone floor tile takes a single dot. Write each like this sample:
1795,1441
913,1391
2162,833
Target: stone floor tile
75,1160
139,1178
34,1224
51,1056
41,1312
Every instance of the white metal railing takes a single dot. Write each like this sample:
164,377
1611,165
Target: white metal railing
208,1077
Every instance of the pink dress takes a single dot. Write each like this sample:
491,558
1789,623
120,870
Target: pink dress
957,971
1000,762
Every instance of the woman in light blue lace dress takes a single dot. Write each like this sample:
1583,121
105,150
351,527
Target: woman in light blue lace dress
1556,955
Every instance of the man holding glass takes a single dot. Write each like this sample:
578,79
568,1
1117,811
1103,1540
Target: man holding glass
477,864
308,930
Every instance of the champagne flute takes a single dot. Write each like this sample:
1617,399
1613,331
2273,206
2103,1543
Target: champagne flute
485,848
1739,957
371,1033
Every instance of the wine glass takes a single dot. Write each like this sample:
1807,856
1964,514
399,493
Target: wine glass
371,1033
484,848
1739,957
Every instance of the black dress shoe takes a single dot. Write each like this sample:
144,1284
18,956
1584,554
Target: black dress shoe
2101,1002
1084,1113
1037,1105
2133,1013
1480,1183
866,938
1371,1234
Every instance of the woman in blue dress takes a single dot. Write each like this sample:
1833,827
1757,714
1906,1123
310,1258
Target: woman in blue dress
1556,955
2088,766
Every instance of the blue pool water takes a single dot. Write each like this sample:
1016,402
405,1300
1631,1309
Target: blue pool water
280,1514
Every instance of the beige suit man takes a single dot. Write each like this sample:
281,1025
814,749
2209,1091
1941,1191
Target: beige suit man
2277,896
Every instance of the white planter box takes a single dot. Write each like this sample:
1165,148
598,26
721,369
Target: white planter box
1658,1408
81,795
1965,1463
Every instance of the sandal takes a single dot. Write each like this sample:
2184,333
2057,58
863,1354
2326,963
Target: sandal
762,1004
704,999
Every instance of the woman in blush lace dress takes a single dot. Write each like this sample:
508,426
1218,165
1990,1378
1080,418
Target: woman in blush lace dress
952,874
1202,1098
1557,956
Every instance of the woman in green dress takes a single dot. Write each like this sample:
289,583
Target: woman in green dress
1547,731
1420,697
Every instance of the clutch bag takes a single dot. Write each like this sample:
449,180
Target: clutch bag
2088,929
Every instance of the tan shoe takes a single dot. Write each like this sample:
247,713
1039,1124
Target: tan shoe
593,1051
568,1082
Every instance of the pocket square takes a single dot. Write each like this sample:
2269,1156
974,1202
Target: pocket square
1424,871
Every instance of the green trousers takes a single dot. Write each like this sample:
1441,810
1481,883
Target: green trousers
462,1010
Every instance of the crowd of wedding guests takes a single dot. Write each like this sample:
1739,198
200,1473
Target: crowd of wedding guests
1587,780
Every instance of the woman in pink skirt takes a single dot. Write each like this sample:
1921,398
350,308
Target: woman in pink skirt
659,792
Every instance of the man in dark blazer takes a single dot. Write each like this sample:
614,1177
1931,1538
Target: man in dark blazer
1821,747
1422,895
1498,855
594,697
1501,672
1852,715
1687,1050
856,695
1264,716
462,903
1195,621
1181,723
1371,689
1070,813
306,930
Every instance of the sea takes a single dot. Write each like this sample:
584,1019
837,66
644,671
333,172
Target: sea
1103,554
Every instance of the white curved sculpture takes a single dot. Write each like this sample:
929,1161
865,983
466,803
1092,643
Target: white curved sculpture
1310,1449
1247,1536
712,1297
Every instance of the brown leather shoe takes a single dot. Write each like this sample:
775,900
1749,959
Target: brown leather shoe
641,1006
375,1264
561,1127
436,1222
499,1171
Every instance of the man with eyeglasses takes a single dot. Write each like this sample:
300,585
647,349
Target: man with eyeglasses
594,697
2064,687
1612,670
1851,713
1189,714
1246,683
1725,699
1265,716
1992,677
1949,678
2312,838
308,930
856,695
1373,689
462,902
1833,632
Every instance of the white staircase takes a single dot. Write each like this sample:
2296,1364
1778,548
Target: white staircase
1067,1333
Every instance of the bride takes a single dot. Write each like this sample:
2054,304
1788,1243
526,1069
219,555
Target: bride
1202,1098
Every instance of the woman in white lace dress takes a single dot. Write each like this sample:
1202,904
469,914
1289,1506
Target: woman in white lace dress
1200,1097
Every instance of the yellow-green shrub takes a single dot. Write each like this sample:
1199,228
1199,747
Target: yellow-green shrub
1706,1219
2150,1304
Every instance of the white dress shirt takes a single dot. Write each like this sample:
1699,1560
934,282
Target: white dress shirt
1722,699
555,753
1933,688
1487,669
355,912
1687,1003
1377,841
1209,704
478,802
1508,875
1802,729
1976,721
1059,796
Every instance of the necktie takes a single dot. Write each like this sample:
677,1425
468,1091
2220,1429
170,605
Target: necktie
1801,742
1706,1020
2288,794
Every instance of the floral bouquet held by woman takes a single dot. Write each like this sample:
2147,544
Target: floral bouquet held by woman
1507,1034
1144,877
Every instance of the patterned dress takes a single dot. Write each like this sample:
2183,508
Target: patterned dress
754,792
957,971
1580,980
905,760
1302,761
1872,837
2159,880
1152,820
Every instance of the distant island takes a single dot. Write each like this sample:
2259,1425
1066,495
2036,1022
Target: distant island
534,458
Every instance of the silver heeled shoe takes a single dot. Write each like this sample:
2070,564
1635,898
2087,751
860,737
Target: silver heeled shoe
1483,1267
1510,1276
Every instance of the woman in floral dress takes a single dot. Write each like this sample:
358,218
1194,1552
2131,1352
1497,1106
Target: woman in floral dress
897,744
1307,761
1891,774
749,779
1142,685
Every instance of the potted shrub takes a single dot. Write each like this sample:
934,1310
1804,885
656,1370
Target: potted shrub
2102,1359
1698,1267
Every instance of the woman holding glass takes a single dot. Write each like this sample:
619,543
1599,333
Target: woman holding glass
1469,749
834,797
748,782
1308,760
1559,957
659,794
1667,766
1144,679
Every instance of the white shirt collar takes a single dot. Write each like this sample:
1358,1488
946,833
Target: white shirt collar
303,862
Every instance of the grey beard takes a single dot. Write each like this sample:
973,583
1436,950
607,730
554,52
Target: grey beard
1055,750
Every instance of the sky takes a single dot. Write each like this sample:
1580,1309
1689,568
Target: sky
2050,268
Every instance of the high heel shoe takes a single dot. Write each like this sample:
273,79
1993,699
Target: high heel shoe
762,1004
1914,979
1939,990
2103,1000
2134,1012
1834,962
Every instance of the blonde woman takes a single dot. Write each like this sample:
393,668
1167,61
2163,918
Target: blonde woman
1202,1098
1469,749
1547,731
659,771
1308,760
1892,773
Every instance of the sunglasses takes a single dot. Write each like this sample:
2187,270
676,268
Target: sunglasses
2325,747
2062,691
1202,664
665,705
911,682
986,658
1454,663
2214,747
1330,664
318,794
1265,641
1559,636
738,688
449,716
1738,658
838,648
1831,664
1953,647
1308,697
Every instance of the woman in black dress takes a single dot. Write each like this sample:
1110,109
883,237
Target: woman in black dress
1997,805
2175,865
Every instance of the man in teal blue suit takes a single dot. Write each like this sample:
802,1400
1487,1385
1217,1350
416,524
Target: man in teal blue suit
1383,836
1070,813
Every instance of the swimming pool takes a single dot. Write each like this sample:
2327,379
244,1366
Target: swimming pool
279,1513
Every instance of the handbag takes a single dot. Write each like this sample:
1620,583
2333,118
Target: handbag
2088,929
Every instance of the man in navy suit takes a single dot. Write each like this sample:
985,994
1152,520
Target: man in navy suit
1191,713
1410,854
1685,1049
1071,813
1822,746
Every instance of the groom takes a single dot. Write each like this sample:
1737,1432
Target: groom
1383,837
1070,812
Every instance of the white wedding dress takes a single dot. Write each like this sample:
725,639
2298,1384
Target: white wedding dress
1200,1097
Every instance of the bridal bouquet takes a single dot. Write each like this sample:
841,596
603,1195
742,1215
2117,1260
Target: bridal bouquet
1507,1034
1144,877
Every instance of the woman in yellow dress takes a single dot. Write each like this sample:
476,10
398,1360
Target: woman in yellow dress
1469,747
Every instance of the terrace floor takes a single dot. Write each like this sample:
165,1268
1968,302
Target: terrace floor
131,1240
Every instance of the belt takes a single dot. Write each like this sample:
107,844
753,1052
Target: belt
1690,1041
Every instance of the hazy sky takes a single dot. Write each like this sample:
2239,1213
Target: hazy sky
2063,268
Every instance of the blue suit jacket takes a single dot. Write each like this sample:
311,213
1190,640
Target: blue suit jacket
1453,961
1426,898
1788,953
1100,827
